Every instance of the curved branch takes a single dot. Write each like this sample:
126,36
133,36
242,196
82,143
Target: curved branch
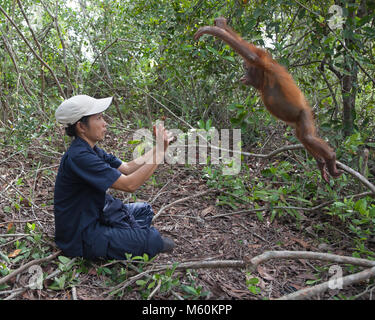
320,288
254,262
273,153
321,70
268,255
27,265
182,200
357,175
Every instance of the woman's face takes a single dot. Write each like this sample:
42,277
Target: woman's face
95,130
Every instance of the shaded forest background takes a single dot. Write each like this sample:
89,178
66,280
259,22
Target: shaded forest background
143,54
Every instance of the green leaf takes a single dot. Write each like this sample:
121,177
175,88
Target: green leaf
229,58
4,257
64,259
214,51
252,281
141,282
151,285
134,141
312,281
189,289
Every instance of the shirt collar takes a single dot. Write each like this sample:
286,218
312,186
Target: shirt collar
79,140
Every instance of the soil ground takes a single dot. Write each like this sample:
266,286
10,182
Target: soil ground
196,226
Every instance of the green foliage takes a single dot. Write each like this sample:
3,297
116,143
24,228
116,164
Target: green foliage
161,282
143,53
251,284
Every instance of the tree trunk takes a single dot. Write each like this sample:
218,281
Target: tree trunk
349,78
349,84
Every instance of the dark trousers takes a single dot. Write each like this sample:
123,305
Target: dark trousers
122,228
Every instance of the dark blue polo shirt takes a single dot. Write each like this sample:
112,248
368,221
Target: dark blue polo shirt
83,178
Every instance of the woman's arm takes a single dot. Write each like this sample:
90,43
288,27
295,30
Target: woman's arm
136,172
128,168
131,182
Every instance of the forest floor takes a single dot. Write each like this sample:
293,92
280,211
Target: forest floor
201,229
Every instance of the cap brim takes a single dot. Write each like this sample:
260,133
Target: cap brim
100,106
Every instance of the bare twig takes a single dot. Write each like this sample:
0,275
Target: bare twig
27,265
320,288
40,53
321,70
127,283
211,264
74,293
357,175
19,192
254,262
63,45
268,255
365,154
6,235
275,152
161,190
9,49
182,200
155,290
252,265
19,291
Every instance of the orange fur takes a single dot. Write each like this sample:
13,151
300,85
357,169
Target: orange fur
279,93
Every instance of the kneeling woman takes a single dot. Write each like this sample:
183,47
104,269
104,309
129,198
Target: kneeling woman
89,222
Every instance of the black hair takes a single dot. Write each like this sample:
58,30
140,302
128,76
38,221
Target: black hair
70,130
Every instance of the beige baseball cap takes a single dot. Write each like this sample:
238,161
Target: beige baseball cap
76,107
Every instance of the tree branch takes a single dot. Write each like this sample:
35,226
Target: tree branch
27,265
343,44
309,255
349,170
9,49
33,51
320,288
273,153
182,200
357,175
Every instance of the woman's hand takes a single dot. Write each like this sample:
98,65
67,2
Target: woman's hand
166,136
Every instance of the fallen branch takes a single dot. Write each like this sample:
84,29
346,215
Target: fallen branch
155,290
21,290
309,255
181,266
264,257
28,265
127,282
320,288
254,262
182,200
211,264
357,175
12,235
